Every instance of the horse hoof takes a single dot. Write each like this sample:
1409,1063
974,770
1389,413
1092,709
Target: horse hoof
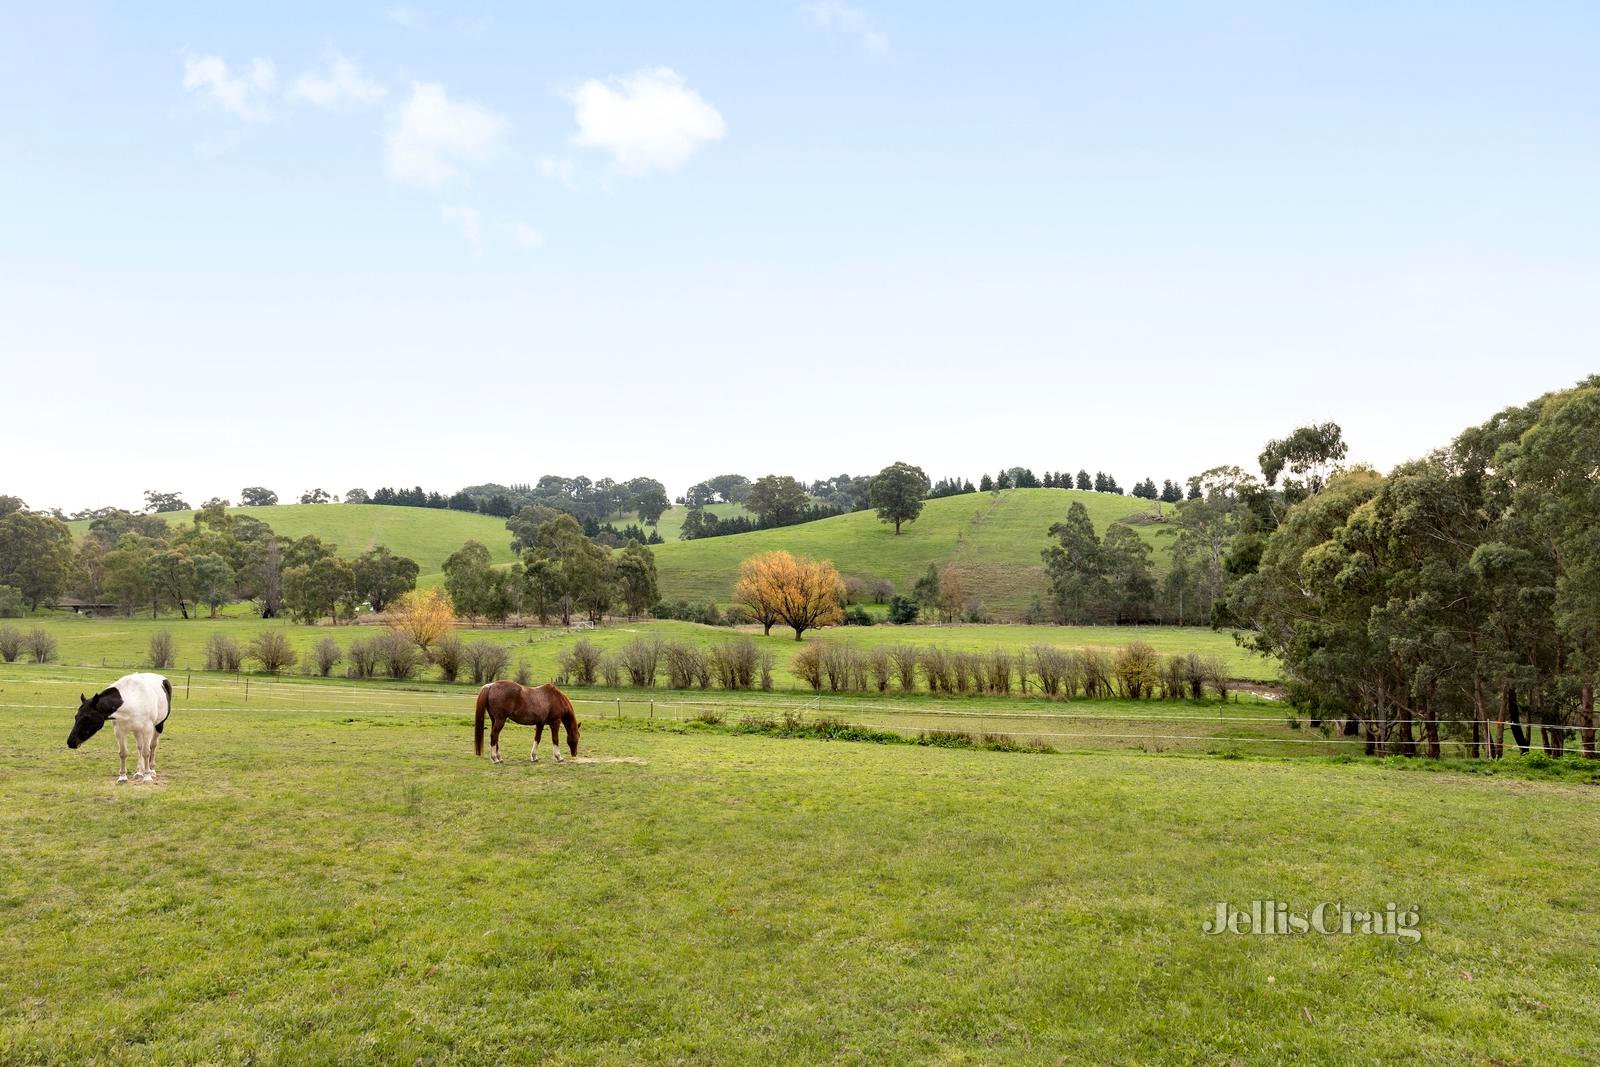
122,779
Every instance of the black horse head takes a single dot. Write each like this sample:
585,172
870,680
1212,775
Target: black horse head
92,714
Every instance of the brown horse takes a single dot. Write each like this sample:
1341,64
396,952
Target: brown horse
538,707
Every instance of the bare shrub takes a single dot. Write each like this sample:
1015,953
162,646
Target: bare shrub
961,669
272,651
807,665
938,670
581,662
399,654
524,673
362,658
642,659
449,655
882,669
10,643
41,645
162,650
999,671
764,663
611,670
1174,678
325,656
1137,668
855,589
1052,665
1216,672
1094,672
485,660
223,654
881,589
904,658
736,664
1194,673
836,665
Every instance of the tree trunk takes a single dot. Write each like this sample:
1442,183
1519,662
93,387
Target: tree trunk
1408,742
1480,722
1430,731
1514,717
1586,721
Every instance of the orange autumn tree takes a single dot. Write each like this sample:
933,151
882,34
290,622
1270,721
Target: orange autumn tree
780,587
424,615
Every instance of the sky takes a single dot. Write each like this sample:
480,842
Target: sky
353,244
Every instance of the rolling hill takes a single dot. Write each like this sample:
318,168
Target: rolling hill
994,540
427,535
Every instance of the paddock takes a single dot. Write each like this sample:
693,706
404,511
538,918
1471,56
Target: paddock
332,875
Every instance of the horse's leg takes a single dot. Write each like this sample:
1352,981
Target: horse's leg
555,739
122,755
150,772
538,732
143,745
494,739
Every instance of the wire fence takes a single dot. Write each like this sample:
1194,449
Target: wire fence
1224,728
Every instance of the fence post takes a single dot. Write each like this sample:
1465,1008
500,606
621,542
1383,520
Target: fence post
247,690
186,680
652,710
619,707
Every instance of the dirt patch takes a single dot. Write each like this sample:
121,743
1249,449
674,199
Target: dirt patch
606,759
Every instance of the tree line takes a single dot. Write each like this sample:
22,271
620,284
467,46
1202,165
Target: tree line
134,562
1456,597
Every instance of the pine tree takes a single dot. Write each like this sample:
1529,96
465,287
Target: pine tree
1083,481
986,484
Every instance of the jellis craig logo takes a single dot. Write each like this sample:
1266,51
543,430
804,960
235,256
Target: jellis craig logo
1274,918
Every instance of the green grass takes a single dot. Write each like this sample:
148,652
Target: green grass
124,642
427,535
351,885
994,541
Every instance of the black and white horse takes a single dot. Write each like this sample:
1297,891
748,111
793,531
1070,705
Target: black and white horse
137,704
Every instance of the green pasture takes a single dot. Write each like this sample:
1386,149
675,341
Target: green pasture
123,642
993,539
327,874
427,535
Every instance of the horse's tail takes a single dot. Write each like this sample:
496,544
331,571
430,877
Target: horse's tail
569,718
166,687
477,723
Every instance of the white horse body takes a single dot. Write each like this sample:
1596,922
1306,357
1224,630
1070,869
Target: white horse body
138,706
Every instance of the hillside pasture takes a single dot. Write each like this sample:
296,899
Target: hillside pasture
994,541
334,877
427,535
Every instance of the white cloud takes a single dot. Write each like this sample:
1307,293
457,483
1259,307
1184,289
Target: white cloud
837,15
648,121
342,83
244,94
405,16
433,134
559,170
526,236
467,218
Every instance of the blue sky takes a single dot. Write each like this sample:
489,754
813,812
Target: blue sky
355,244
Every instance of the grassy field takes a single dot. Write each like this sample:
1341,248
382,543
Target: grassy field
125,642
993,540
427,535
334,878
